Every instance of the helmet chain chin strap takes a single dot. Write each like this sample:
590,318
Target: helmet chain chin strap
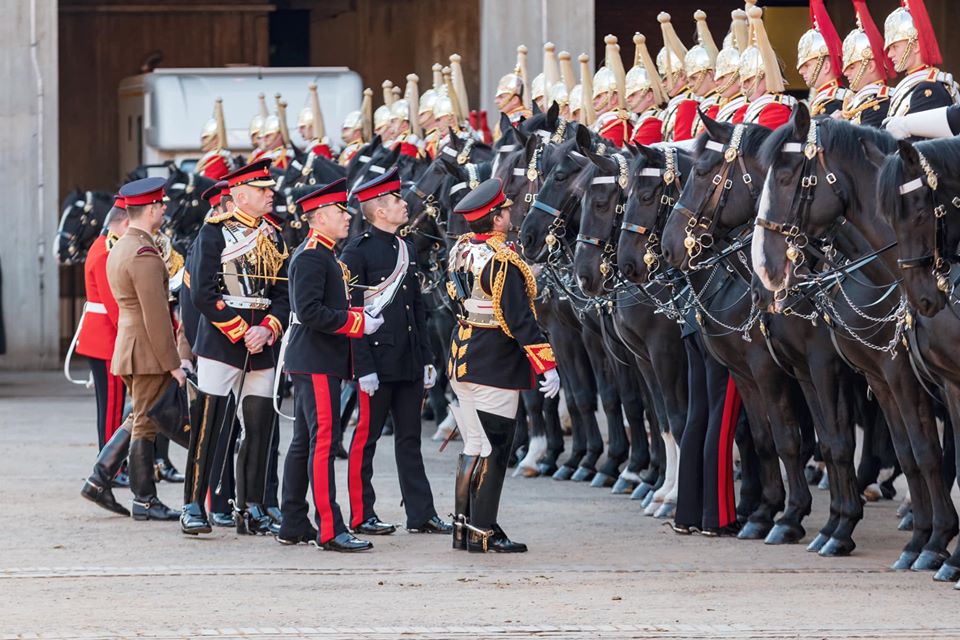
907,50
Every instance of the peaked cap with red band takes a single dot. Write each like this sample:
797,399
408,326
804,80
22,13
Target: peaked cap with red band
142,192
487,197
389,182
215,193
120,202
333,193
255,174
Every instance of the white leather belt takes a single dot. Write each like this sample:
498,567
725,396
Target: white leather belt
245,302
477,306
96,307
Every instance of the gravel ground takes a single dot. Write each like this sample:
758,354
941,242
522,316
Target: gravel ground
596,567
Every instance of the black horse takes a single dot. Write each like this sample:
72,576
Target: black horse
81,221
865,310
185,210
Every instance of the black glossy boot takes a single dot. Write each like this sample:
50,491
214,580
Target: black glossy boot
164,468
146,504
208,416
251,469
97,488
461,500
487,485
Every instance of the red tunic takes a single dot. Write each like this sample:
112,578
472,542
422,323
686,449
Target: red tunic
614,128
648,131
322,149
738,116
683,123
98,332
774,115
213,165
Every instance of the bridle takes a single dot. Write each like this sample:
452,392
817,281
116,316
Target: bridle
75,238
557,229
669,188
706,215
607,248
942,257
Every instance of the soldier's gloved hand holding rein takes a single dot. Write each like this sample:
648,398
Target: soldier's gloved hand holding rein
371,323
550,386
370,382
429,376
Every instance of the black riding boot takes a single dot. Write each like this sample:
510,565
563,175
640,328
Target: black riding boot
146,504
251,469
208,415
461,500
164,468
484,533
97,488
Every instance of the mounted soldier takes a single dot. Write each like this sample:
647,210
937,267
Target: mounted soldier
275,139
609,103
682,102
731,104
762,79
819,62
513,95
645,95
357,129
216,160
256,128
867,68
700,64
313,129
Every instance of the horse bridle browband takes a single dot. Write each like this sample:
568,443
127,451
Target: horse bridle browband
941,257
670,180
716,198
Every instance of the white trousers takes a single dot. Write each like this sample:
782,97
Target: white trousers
477,397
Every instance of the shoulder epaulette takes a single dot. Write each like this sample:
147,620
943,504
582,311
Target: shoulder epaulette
219,217
148,250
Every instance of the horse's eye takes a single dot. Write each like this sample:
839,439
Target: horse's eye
646,197
702,170
784,176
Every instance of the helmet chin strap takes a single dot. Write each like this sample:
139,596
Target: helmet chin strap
901,65
855,83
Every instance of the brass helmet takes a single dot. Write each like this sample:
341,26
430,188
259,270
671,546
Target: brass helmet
812,46
604,81
702,57
381,117
670,59
898,27
558,94
760,60
637,80
271,124
443,106
256,126
864,44
354,120
537,89
510,84
427,100
576,98
400,110
728,59
209,130
305,118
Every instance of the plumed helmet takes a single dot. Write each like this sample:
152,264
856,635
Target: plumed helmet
209,130
305,117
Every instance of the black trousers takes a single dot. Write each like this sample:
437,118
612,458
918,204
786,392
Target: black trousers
402,400
705,481
309,461
226,446
111,396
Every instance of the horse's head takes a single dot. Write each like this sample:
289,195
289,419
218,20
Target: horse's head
656,176
720,195
185,208
81,220
554,204
919,193
605,194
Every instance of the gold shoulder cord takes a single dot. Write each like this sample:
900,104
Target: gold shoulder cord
502,259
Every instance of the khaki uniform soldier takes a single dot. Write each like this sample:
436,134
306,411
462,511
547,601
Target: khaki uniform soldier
145,354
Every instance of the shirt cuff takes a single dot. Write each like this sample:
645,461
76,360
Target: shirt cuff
541,357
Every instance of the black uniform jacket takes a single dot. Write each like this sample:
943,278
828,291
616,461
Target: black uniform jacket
220,331
491,357
320,337
190,318
398,350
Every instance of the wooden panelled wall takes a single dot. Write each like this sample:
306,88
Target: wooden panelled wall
103,42
387,40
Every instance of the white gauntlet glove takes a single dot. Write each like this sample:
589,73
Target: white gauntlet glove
429,376
550,386
369,383
371,323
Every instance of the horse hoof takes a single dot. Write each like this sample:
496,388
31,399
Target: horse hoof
812,474
546,469
947,573
525,472
785,534
650,505
836,547
905,561
647,500
582,474
564,473
755,531
929,561
906,524
817,543
602,481
666,510
904,508
621,486
824,484
641,491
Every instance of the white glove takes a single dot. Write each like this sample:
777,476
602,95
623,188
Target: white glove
369,383
187,365
429,376
550,386
897,127
371,323
932,123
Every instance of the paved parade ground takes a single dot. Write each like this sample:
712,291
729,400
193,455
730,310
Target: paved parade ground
596,567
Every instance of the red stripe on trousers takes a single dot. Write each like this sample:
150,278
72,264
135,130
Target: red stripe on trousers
321,456
114,405
357,445
728,429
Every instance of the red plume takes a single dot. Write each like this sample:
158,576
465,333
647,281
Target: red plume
822,23
873,35
929,49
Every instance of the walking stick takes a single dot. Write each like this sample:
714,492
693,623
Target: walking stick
233,424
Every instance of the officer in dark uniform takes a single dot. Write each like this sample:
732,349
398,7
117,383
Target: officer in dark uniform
393,367
819,62
238,281
867,68
317,354
497,350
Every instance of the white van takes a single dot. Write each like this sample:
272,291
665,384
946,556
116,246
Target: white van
162,113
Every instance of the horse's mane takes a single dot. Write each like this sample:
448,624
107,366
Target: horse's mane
943,156
751,143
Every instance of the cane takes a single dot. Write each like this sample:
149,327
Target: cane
233,425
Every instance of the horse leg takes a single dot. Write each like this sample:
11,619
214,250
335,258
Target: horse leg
600,360
917,409
772,494
617,445
530,404
672,379
537,435
750,485
633,401
950,570
580,392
